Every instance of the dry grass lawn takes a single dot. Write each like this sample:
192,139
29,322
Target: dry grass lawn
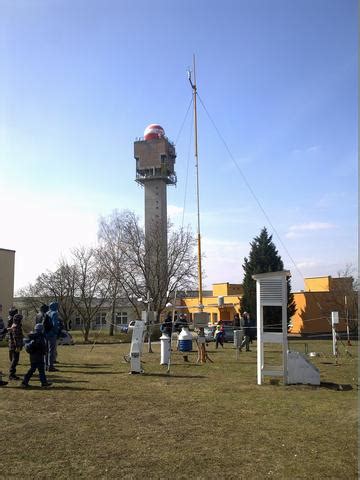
201,421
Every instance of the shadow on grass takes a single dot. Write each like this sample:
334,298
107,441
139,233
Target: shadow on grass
336,386
38,388
85,365
86,372
66,380
246,361
185,364
171,375
70,389
81,389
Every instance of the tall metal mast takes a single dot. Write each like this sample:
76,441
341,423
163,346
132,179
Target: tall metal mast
194,89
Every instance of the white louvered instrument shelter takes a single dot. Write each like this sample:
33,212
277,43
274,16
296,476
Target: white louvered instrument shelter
271,290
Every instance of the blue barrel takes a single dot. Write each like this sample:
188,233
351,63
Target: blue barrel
185,340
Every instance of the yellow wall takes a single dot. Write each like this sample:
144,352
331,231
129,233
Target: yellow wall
313,314
327,284
221,289
322,296
317,284
211,305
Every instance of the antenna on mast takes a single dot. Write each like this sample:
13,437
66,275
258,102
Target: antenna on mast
189,77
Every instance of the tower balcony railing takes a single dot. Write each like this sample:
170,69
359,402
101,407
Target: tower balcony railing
144,176
142,139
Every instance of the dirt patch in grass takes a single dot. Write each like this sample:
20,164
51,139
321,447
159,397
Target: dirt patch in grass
201,421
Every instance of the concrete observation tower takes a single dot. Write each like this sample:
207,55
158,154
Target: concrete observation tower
155,160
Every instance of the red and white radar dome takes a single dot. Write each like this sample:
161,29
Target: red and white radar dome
153,131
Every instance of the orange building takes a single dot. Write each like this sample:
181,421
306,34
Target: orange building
314,305
322,295
222,303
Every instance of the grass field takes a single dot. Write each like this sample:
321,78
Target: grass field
201,421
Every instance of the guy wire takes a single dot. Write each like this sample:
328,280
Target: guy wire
250,188
254,195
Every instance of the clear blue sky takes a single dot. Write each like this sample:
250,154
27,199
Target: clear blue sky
82,79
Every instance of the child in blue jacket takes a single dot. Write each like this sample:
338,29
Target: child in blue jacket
36,347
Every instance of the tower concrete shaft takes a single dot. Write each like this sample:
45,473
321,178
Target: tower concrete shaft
155,159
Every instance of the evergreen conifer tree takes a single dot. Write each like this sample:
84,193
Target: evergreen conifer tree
263,258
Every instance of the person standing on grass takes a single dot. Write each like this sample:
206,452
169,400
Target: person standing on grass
36,346
40,317
166,326
16,336
246,324
180,322
3,331
51,335
12,312
44,317
219,334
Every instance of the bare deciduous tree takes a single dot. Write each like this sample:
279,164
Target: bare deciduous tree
53,286
59,286
91,286
139,265
31,297
346,296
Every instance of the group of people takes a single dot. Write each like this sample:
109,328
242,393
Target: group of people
244,323
168,327
41,343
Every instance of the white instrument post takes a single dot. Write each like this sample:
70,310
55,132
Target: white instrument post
137,342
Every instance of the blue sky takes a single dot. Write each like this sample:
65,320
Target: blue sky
82,79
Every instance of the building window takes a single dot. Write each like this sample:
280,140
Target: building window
214,317
100,319
121,318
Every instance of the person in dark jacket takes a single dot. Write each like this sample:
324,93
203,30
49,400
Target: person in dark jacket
12,312
42,313
180,322
15,336
236,320
37,356
219,334
51,336
3,330
166,327
247,328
